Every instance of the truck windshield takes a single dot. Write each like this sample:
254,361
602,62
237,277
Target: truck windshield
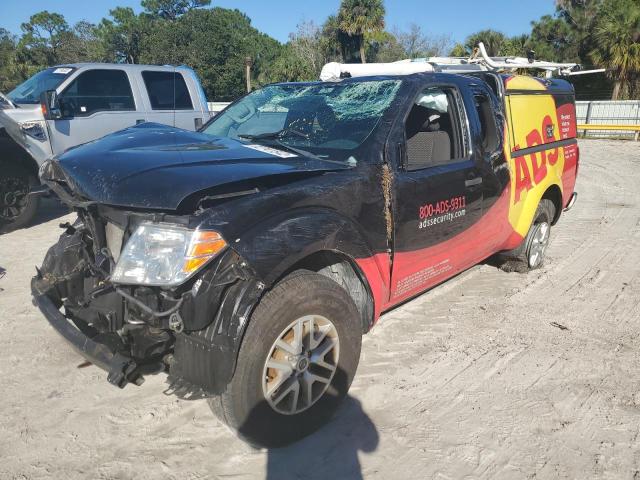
30,90
328,120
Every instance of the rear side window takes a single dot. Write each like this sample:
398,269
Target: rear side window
167,91
98,91
488,126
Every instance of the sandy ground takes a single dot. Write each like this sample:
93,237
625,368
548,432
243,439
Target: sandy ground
491,375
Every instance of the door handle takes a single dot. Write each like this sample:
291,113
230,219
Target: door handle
473,181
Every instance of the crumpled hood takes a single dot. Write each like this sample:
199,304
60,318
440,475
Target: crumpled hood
155,166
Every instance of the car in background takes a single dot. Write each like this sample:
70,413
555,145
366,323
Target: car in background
65,106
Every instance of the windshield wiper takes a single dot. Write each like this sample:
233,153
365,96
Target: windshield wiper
275,135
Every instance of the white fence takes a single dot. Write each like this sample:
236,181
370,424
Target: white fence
215,107
608,112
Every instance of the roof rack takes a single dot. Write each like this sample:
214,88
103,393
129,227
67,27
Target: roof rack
478,62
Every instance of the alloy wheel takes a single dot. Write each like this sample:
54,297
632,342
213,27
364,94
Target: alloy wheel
539,243
301,364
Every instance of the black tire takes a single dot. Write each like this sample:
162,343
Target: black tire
523,258
243,406
17,208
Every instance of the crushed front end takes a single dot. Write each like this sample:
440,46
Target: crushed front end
115,288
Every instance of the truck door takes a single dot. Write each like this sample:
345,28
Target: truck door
438,196
170,100
96,103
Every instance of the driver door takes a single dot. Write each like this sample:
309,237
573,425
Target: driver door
438,194
94,104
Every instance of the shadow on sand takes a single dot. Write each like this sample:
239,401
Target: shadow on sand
331,452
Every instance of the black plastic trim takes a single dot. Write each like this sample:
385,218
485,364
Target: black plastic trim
539,92
121,368
543,147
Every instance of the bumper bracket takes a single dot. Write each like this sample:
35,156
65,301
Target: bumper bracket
121,369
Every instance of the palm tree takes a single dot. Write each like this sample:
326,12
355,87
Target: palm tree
617,40
493,41
359,17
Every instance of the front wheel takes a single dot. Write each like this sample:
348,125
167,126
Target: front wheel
296,362
17,207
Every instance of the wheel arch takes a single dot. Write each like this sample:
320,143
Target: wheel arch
343,269
317,239
554,194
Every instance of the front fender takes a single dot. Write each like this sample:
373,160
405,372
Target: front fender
274,246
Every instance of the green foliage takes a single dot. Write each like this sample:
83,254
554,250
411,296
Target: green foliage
122,35
42,38
217,41
7,60
171,9
617,44
218,59
459,50
494,42
357,18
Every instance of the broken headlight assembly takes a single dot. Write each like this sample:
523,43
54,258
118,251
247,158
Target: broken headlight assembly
34,130
165,255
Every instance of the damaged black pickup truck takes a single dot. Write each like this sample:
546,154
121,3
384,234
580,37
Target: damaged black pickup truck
247,259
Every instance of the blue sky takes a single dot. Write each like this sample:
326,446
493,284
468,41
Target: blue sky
456,18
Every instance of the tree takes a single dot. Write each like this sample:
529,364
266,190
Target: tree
42,37
7,60
171,9
517,46
80,44
122,36
385,47
359,17
459,50
218,58
334,42
417,44
290,66
493,42
306,45
553,39
617,44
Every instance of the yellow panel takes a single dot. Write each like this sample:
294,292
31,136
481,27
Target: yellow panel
533,121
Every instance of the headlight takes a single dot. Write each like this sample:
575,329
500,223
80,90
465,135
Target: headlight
165,255
34,130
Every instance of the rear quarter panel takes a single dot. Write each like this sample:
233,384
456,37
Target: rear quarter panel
540,113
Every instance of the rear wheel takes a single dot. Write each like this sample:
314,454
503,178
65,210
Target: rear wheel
17,207
296,362
531,253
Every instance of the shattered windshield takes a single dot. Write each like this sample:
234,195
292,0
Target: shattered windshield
30,90
327,120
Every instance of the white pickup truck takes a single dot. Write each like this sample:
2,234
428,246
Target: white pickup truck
64,106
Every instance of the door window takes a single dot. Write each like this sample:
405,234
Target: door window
97,91
433,129
167,91
488,128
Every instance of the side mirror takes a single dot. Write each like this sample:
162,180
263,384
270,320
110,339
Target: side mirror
50,105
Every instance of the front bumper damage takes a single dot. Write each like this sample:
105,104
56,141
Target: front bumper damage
192,332
121,369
